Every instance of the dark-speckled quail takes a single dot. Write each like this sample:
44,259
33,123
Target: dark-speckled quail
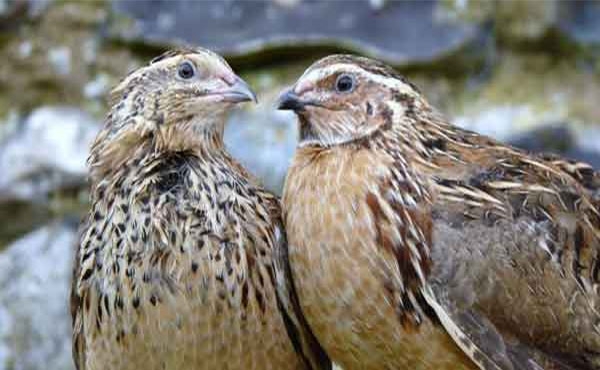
415,244
180,262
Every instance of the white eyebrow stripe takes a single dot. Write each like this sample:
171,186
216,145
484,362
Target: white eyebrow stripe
310,78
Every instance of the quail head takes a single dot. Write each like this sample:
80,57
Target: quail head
415,244
181,261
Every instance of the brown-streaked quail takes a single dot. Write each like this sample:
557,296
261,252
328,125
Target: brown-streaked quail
181,261
415,244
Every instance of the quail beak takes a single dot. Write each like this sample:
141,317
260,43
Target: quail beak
238,92
288,100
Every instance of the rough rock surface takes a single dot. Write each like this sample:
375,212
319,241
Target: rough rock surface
35,328
399,32
264,142
558,138
47,151
581,21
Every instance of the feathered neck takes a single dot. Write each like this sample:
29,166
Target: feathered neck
115,149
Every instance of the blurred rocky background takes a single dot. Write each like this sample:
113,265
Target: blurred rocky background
523,72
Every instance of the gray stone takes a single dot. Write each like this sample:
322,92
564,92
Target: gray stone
588,146
60,59
263,140
398,32
47,152
560,138
501,121
15,10
557,138
580,20
97,88
37,7
11,12
35,272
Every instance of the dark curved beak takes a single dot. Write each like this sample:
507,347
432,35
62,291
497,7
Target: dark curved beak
288,100
238,92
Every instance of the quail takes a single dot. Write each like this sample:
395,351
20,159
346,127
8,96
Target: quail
415,244
583,172
180,260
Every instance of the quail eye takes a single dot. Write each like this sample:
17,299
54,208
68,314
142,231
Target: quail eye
186,70
344,83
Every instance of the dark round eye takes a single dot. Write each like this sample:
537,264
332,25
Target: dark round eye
186,70
344,83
